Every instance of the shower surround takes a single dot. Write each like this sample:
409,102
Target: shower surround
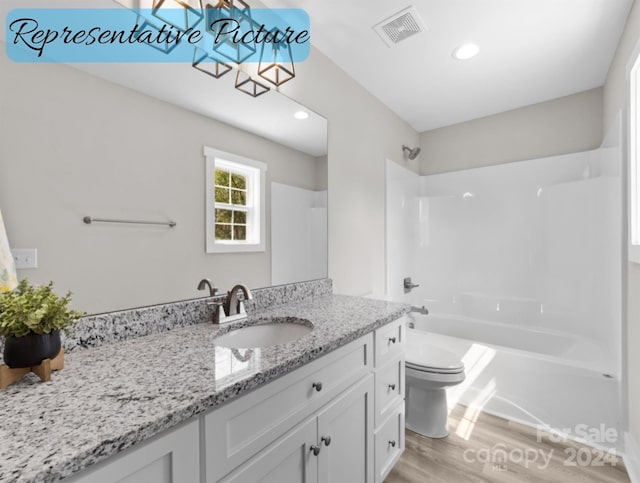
520,268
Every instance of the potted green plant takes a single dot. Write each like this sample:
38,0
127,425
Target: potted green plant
31,318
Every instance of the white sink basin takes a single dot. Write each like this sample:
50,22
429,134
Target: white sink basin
278,331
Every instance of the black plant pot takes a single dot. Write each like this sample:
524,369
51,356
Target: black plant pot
31,350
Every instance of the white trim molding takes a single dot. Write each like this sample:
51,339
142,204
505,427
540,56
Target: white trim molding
632,458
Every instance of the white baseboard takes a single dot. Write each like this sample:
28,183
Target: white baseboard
632,458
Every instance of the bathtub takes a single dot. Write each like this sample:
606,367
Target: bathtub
536,377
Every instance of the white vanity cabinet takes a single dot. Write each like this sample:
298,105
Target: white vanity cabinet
340,382
171,457
339,418
240,430
353,432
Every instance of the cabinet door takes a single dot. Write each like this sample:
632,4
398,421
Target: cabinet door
345,436
288,460
171,457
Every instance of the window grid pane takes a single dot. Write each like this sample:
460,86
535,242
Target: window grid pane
222,178
238,181
223,232
223,195
238,197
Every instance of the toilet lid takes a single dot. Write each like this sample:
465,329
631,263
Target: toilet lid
421,355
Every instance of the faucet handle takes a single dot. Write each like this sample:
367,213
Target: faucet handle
217,304
409,285
240,307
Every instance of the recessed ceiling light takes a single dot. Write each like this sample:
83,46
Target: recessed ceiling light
466,51
301,115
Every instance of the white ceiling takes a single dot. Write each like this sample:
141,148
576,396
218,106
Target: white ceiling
531,51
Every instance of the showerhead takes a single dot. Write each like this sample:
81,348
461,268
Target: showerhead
411,153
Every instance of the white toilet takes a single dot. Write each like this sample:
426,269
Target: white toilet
429,370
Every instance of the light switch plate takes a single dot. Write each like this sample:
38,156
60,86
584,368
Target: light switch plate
25,258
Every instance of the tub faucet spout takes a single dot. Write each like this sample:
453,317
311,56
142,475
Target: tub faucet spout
419,310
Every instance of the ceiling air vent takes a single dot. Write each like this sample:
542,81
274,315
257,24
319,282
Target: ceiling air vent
400,26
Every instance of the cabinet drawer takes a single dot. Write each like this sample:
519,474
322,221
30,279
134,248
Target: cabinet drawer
235,432
390,388
389,341
389,443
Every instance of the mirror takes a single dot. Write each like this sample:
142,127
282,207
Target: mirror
126,142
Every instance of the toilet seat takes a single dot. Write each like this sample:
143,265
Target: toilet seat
424,357
432,380
433,370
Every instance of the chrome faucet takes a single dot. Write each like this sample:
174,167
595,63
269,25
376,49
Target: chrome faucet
226,308
233,305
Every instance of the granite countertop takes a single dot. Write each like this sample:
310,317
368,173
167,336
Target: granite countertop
111,397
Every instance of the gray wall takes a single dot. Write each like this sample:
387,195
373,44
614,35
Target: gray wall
362,134
560,126
616,98
74,145
322,173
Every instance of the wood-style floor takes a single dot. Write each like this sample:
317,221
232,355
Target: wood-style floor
476,448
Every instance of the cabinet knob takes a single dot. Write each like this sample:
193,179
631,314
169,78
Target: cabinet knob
315,450
392,340
392,387
326,440
392,443
317,386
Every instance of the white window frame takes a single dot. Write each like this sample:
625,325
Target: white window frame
634,155
255,171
